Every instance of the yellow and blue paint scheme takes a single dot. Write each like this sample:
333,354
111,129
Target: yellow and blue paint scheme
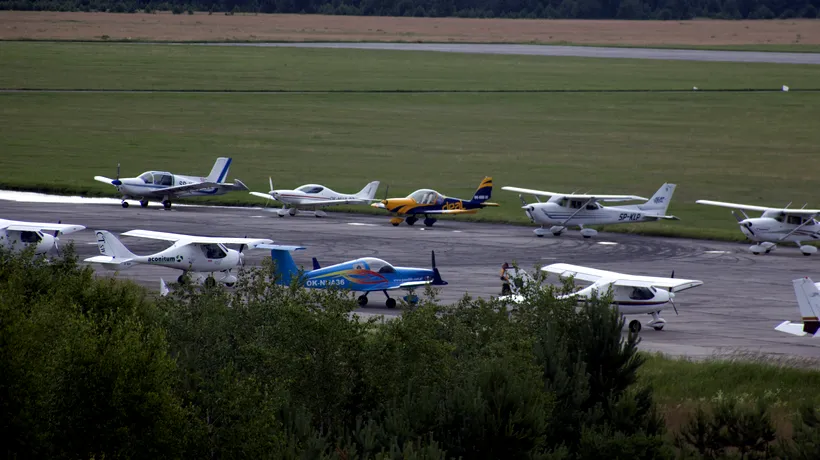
429,203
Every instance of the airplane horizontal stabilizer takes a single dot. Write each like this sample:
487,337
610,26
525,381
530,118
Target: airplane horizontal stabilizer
791,328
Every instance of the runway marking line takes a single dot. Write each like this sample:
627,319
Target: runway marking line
607,243
360,224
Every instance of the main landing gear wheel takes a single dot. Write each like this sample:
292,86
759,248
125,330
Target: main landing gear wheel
144,203
658,328
362,300
166,204
391,303
411,220
124,204
181,279
635,326
429,221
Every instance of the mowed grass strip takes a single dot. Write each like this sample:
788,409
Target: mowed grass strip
759,148
242,68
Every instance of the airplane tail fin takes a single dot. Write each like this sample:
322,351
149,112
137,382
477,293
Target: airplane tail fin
285,266
316,265
220,170
112,247
484,191
437,280
808,299
660,200
369,191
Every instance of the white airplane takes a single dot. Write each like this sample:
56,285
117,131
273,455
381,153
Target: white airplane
313,196
17,235
808,299
632,294
205,258
564,210
775,225
163,186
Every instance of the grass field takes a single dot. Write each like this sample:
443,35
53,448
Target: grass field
756,147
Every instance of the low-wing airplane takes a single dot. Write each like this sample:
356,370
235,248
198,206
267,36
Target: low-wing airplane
163,186
206,258
313,196
17,235
808,300
564,210
366,274
426,202
632,294
775,225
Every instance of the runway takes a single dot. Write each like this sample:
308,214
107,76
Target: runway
573,51
742,299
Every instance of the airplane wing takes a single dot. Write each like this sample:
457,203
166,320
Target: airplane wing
237,185
332,202
748,207
577,196
103,179
619,279
188,239
37,226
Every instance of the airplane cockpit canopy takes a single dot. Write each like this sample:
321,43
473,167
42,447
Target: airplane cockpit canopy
642,293
158,178
310,188
378,265
30,237
424,196
213,251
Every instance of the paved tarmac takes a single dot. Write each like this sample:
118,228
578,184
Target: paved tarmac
576,51
742,299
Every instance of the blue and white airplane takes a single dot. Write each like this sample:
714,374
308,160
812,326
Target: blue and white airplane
366,275
162,186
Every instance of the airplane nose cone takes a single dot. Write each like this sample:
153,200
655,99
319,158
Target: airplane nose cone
116,182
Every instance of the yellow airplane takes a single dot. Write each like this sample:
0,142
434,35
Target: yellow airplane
428,202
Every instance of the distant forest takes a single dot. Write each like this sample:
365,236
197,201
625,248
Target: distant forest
527,9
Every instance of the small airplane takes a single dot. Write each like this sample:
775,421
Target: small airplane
632,294
163,186
206,258
808,300
313,196
428,203
366,274
18,235
564,210
775,225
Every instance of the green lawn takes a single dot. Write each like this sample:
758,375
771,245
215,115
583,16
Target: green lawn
753,147
195,67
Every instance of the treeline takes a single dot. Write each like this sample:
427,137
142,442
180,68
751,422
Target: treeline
97,368
529,9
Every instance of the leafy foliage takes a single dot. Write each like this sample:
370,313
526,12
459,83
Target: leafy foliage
529,9
100,368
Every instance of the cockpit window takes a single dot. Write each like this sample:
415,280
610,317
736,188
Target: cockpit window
29,237
593,206
641,293
424,196
213,251
164,179
148,178
378,265
794,220
310,189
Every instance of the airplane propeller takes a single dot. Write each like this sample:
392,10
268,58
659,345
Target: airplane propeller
747,225
117,180
672,296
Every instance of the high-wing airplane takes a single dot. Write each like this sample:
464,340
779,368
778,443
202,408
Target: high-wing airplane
366,274
17,235
632,294
808,300
206,258
564,210
775,225
164,186
313,196
427,203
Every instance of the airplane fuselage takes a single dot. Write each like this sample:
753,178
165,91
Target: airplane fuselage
593,214
203,258
634,300
297,198
409,206
766,229
20,240
359,275
149,184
